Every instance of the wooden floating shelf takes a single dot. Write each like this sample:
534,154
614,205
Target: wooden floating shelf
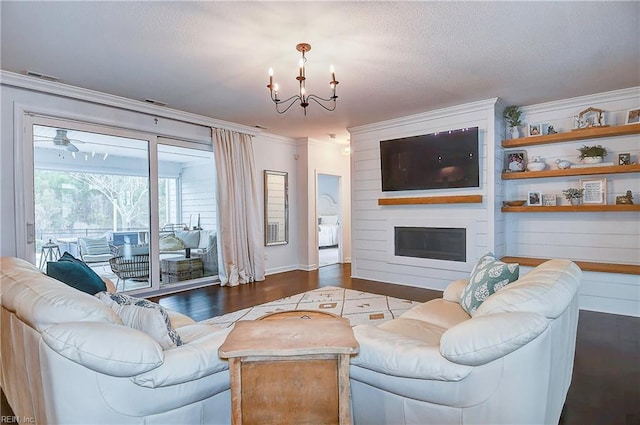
612,169
574,208
587,133
584,265
463,199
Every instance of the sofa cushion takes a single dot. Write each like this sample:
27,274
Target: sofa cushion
488,276
42,301
438,312
483,339
170,243
105,348
94,246
207,239
190,238
547,289
145,316
76,274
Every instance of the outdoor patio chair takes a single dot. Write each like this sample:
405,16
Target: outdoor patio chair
134,267
96,250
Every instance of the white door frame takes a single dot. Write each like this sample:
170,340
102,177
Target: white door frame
315,214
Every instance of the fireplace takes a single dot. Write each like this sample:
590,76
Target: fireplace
436,243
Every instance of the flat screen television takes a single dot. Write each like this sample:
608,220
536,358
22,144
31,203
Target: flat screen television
431,161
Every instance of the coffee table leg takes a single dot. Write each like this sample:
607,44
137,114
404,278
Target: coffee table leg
235,364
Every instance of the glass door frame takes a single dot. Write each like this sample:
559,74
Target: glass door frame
25,195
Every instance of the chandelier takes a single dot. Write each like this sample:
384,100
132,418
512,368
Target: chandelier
302,96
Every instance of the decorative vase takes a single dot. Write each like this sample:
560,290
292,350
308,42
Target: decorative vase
592,159
513,131
536,164
576,201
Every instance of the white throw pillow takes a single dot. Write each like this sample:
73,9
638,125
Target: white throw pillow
145,316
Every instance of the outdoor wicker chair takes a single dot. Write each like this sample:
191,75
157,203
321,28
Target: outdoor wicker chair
132,267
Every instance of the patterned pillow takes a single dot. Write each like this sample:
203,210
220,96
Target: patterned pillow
488,276
145,316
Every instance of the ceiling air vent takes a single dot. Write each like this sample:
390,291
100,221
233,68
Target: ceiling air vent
41,76
155,102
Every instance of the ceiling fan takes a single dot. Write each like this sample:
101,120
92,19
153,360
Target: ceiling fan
59,140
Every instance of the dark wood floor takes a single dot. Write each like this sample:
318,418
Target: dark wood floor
606,377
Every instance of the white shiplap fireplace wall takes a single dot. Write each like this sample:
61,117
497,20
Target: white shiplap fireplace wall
372,225
597,237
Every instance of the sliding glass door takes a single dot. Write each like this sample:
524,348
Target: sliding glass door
112,197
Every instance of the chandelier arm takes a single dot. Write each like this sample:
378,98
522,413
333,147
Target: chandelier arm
293,102
317,99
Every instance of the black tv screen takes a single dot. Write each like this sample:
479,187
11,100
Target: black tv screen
431,161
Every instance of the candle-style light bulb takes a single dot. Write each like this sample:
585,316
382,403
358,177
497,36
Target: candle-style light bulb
303,91
270,78
276,88
270,72
332,70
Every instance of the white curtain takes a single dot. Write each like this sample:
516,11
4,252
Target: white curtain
239,224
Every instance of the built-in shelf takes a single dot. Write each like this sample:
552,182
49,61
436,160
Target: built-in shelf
587,133
584,265
612,169
462,199
574,208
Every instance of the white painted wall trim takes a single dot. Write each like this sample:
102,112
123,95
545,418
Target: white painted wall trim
464,109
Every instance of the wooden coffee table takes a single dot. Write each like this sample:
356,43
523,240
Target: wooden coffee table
290,370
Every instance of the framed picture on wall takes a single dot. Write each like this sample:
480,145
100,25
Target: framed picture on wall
534,199
595,191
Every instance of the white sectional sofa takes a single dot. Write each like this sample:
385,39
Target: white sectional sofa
511,363
67,358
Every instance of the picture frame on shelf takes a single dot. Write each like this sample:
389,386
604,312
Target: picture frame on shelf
591,117
595,191
633,116
515,161
534,199
624,159
549,199
535,129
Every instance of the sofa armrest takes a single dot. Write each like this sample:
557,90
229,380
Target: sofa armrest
453,292
483,339
113,350
393,354
188,362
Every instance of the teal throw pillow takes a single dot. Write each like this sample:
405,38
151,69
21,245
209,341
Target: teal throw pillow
488,276
76,274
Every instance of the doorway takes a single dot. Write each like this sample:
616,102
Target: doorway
328,214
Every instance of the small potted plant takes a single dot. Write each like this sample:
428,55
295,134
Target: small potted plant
512,116
592,154
573,195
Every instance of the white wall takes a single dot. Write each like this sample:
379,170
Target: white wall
277,153
372,224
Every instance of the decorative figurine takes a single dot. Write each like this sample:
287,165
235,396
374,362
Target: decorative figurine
551,130
625,199
562,164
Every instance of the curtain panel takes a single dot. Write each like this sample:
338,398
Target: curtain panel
239,223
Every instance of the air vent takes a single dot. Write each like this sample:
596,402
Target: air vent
41,76
155,102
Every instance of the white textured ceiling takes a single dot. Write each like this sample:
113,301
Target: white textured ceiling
392,58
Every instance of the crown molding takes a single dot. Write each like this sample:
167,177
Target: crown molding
12,79
632,93
466,108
